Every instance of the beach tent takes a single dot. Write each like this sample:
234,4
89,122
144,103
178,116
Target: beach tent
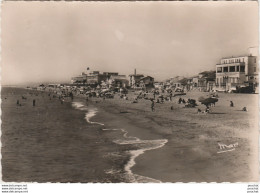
208,101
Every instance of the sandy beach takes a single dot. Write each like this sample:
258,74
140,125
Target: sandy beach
191,153
121,141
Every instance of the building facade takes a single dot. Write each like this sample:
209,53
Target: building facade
77,80
134,79
118,81
236,72
146,81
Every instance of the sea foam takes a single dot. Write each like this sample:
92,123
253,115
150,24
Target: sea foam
144,145
77,105
91,111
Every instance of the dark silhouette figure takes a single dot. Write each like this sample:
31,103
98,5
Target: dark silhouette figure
34,102
152,106
170,96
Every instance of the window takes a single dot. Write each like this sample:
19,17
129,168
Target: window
219,69
242,68
225,69
254,69
232,68
255,60
237,68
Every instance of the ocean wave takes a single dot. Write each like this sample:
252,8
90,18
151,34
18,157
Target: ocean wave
77,105
144,145
110,129
91,112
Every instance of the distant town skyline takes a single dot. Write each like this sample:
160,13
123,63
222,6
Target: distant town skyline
54,41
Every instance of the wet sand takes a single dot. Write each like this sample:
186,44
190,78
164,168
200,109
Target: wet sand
54,142
191,153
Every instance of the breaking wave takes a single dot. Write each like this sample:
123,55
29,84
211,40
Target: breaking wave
91,111
143,145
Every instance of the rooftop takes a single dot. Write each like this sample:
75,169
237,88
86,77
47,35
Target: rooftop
136,75
231,57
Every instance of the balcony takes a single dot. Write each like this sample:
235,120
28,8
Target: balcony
234,63
229,73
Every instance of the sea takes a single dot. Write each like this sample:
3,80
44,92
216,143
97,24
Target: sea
141,146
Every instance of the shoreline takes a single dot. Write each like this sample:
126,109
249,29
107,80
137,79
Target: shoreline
141,145
190,154
200,145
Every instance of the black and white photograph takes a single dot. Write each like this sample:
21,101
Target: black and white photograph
129,92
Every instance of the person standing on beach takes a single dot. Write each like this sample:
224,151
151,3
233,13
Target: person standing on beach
152,105
71,95
33,102
171,96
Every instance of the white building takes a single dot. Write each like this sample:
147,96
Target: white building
234,72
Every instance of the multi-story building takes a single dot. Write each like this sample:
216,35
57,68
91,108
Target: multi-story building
236,72
134,79
147,81
77,79
118,81
110,73
206,80
95,78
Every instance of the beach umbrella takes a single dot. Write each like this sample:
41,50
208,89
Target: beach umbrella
207,101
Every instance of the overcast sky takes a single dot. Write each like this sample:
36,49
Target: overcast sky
53,41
